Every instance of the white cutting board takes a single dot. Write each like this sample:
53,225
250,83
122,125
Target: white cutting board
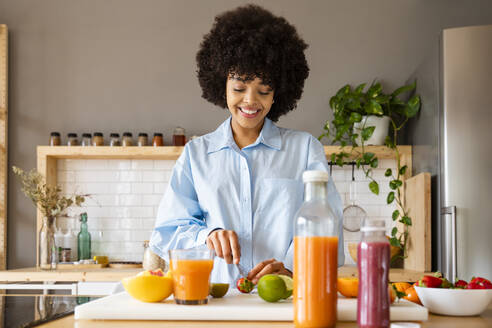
234,306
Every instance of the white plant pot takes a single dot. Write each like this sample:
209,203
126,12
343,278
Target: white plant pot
380,132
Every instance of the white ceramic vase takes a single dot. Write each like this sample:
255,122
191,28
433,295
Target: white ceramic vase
380,132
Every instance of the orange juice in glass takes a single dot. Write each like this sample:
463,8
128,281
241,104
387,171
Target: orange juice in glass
191,270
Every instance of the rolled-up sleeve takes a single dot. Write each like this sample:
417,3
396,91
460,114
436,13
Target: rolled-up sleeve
317,161
180,222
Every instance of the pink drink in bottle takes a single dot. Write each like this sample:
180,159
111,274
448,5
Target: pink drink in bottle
373,260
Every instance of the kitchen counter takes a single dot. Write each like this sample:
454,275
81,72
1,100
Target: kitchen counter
109,274
435,321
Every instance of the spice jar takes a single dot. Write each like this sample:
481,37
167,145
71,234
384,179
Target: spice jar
179,138
152,261
72,139
127,139
143,139
114,139
55,139
66,254
86,139
158,140
98,139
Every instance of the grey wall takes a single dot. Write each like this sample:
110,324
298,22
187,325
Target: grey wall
118,65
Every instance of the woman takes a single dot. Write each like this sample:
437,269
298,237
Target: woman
237,189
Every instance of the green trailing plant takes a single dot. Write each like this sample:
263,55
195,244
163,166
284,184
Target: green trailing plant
350,106
48,199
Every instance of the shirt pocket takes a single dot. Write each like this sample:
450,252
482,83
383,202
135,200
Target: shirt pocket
279,200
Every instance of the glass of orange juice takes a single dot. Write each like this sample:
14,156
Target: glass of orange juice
191,270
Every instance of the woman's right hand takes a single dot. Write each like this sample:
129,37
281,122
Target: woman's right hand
225,244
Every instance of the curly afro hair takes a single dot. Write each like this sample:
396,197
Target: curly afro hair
250,41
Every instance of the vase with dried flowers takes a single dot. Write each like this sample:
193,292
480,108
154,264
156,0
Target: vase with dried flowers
51,203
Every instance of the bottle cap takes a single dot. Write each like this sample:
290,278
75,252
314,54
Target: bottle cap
98,134
114,135
179,131
72,135
83,217
55,134
311,176
127,134
86,135
141,134
157,134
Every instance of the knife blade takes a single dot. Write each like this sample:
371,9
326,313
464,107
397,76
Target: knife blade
242,271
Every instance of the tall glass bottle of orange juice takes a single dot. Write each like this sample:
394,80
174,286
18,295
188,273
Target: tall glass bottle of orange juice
315,256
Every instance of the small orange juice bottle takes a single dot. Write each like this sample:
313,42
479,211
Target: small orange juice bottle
315,256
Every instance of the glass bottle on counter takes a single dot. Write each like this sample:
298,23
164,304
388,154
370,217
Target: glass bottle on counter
83,240
86,139
98,139
158,140
315,256
55,139
127,140
143,139
373,261
72,139
179,138
114,140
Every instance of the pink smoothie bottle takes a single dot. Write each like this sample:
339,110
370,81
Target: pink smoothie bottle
373,260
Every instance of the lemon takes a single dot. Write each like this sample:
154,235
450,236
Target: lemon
218,290
148,288
272,288
289,285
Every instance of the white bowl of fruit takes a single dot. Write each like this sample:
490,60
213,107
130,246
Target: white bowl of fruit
459,299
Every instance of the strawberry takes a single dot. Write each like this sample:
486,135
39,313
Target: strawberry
480,283
460,284
244,285
430,282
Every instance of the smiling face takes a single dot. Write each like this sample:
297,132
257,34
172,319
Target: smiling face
249,102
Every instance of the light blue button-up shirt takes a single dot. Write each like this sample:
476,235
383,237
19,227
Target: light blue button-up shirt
254,191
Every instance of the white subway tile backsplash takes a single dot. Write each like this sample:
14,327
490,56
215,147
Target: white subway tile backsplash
142,165
164,164
142,188
125,195
160,188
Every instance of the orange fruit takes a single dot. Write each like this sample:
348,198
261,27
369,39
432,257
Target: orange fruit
148,288
348,286
412,295
401,286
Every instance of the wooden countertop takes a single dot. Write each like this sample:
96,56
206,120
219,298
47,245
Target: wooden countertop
435,321
109,274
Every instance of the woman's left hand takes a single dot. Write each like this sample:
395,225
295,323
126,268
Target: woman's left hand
266,267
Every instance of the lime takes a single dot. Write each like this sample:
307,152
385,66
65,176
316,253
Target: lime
289,285
272,288
218,290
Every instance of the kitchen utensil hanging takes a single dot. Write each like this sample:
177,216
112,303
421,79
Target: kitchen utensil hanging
353,214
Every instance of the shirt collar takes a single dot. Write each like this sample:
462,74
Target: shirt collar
222,137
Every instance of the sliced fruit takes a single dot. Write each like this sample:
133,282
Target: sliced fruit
460,284
271,288
348,286
218,290
289,285
412,295
148,287
402,286
244,285
168,274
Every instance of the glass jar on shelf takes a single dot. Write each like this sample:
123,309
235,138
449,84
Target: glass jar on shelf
114,140
158,140
179,138
86,139
143,139
72,139
98,139
55,139
127,140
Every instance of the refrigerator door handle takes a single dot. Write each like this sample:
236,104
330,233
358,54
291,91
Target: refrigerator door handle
449,256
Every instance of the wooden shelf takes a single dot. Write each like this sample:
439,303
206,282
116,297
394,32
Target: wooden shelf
108,274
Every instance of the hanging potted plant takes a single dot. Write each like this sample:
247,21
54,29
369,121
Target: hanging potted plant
51,203
354,114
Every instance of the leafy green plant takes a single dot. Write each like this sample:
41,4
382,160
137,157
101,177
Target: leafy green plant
349,106
48,199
